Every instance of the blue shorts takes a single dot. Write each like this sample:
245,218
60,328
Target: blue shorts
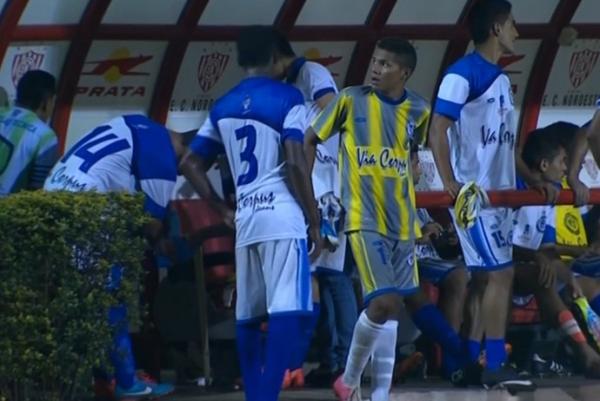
435,270
588,266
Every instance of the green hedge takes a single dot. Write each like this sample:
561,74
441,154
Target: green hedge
56,250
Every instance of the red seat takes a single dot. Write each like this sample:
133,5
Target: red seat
202,225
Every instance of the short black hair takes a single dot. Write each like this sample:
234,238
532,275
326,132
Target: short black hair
256,46
564,132
34,88
402,48
483,16
284,47
539,146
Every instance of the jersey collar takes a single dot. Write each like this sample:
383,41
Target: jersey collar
389,100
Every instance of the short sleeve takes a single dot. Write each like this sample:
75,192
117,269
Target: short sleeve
45,158
207,143
331,119
320,80
420,134
294,124
452,95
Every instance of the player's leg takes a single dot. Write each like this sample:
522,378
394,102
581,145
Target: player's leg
442,323
287,279
382,362
373,257
251,310
555,312
488,252
590,286
404,267
453,292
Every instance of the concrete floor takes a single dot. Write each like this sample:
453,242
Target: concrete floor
569,389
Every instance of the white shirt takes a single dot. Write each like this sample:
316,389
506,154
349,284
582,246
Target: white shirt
477,96
250,124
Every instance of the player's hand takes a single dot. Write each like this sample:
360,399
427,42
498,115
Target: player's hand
573,288
549,190
581,191
451,235
453,188
547,275
227,214
316,242
430,231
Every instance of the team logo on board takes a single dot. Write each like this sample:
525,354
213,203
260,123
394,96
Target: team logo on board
120,63
210,69
24,62
581,66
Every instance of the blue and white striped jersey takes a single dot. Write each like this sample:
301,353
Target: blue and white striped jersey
129,153
477,96
250,124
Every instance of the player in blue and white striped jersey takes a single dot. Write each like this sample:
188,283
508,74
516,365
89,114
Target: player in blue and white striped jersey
259,125
128,154
473,138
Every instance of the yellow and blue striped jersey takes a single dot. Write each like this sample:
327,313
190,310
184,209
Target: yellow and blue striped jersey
374,157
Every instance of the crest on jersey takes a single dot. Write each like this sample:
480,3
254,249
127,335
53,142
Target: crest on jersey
572,223
410,129
582,64
210,69
540,226
24,62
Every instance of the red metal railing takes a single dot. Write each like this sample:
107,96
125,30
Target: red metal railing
432,199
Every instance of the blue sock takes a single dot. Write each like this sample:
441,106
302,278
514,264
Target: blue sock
473,348
309,323
282,330
495,353
250,353
595,304
121,354
433,324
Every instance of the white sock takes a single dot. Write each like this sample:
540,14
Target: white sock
363,340
382,363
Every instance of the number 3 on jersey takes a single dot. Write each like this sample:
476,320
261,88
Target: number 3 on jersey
247,155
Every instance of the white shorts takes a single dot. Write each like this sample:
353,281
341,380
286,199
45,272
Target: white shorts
272,277
487,245
331,260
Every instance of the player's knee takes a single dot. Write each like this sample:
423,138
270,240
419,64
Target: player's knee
480,281
384,307
456,282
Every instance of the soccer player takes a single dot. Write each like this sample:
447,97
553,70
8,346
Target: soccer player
473,137
28,146
451,278
122,155
318,88
539,268
259,126
376,124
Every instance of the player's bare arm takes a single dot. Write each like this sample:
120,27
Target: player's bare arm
576,154
593,136
300,183
311,140
441,152
324,100
194,167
